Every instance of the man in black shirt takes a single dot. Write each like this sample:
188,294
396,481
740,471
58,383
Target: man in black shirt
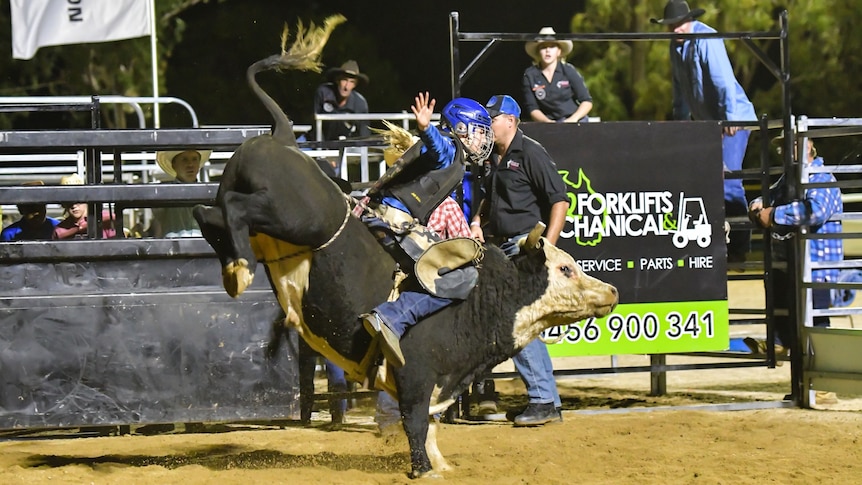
522,188
338,95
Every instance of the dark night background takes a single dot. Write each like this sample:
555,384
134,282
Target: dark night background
403,47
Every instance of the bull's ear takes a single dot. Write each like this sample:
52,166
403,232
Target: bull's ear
533,240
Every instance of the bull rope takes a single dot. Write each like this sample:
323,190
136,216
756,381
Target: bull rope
331,240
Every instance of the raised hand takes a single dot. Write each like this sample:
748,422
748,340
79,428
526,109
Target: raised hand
423,108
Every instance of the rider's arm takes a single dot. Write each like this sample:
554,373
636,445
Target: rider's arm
440,146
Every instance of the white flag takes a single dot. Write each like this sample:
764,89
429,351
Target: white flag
38,23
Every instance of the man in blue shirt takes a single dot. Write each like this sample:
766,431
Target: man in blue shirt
815,209
705,88
34,225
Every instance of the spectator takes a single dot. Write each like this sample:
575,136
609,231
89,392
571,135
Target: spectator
414,186
336,382
184,166
814,210
34,225
522,188
74,226
705,88
338,95
554,91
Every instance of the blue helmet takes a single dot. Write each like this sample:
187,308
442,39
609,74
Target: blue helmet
469,122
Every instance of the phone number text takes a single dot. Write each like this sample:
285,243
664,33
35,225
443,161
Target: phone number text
635,327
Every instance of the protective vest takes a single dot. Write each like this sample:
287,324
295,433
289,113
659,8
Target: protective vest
422,191
444,268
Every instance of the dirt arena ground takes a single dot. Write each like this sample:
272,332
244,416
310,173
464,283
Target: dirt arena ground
613,432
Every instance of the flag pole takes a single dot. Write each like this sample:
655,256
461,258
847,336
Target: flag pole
156,120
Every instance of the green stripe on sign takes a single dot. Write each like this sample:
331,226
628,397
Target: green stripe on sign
646,328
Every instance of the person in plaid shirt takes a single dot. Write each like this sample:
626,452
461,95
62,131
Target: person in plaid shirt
816,210
448,220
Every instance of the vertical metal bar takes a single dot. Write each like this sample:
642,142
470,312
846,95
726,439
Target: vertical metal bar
455,54
768,263
658,379
791,174
118,178
93,161
118,166
155,66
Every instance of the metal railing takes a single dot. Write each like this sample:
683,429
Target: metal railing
132,101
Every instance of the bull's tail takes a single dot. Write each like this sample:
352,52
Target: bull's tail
303,55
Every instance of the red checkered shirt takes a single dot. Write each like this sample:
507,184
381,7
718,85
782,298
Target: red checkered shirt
448,220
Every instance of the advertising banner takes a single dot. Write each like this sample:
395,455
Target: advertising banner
646,214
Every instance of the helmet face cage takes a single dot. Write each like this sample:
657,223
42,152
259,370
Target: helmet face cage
478,143
470,123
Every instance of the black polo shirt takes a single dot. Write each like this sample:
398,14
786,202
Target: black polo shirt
558,98
326,102
520,188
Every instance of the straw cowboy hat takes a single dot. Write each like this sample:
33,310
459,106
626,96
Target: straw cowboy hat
164,159
73,179
676,12
532,47
348,69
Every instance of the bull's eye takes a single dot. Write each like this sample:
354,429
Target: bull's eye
567,271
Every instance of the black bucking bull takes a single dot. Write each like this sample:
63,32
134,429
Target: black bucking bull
275,206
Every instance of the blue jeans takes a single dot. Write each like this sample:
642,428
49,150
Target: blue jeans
409,308
336,382
510,246
735,203
732,152
387,412
533,362
537,372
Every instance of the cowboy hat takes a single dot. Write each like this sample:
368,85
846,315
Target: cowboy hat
532,47
165,159
348,69
677,11
73,179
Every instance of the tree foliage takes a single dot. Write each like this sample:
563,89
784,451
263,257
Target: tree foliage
631,80
212,79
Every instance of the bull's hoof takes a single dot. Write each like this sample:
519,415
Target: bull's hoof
426,474
236,277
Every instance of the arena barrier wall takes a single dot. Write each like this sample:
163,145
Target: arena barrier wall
132,331
120,341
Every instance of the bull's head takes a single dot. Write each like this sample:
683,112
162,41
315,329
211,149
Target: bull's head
570,295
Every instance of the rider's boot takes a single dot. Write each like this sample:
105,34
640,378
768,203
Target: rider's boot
389,340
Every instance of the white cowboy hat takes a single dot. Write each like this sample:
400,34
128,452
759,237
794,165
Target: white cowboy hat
532,47
73,179
165,158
